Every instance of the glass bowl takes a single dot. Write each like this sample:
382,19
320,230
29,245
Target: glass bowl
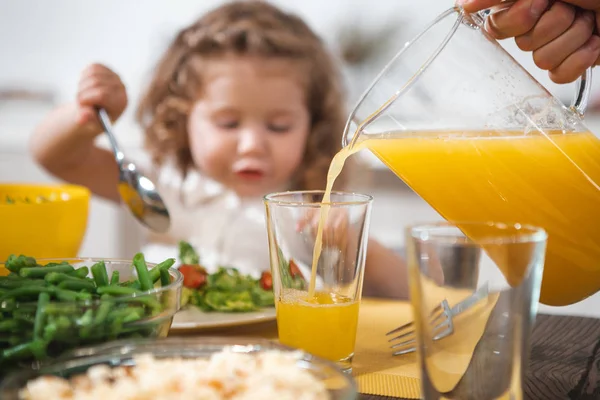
340,386
71,324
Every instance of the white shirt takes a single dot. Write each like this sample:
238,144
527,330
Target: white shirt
224,229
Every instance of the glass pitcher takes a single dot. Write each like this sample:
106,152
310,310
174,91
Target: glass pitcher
479,139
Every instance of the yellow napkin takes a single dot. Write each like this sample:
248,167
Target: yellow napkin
376,371
379,373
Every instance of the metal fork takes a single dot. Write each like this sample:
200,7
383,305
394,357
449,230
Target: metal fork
440,318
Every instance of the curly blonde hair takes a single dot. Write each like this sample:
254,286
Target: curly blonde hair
245,28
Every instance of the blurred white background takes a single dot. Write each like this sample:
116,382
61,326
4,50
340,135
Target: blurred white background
45,44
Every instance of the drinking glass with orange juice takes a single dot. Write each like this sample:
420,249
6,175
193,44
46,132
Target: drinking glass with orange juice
318,302
470,131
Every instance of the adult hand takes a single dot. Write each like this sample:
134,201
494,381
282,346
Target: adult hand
562,35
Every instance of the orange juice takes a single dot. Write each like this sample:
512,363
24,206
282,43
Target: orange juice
323,325
487,176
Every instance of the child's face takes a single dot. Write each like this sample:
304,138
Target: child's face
249,128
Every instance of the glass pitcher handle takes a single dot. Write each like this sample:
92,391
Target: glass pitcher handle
582,95
584,83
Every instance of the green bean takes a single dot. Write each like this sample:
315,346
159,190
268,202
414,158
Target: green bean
58,277
142,272
54,264
14,263
126,313
165,277
165,265
116,327
77,285
168,263
58,308
148,301
9,325
25,291
114,278
82,272
36,348
86,323
10,339
124,309
102,312
69,295
8,305
99,273
50,332
87,318
63,326
133,316
13,283
40,272
117,290
131,284
15,340
59,328
24,316
40,315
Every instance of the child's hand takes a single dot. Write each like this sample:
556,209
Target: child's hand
100,87
560,34
335,231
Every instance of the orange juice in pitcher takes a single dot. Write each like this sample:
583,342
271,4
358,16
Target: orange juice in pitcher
548,182
480,140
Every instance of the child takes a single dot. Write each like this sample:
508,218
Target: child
246,101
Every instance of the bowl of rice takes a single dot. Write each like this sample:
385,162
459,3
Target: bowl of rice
183,369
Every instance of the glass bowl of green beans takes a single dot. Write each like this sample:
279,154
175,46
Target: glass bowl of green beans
51,306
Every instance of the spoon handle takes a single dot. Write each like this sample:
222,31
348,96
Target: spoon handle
107,126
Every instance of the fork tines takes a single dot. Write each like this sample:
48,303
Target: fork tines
441,320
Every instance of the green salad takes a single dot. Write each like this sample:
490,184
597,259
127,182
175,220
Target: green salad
226,290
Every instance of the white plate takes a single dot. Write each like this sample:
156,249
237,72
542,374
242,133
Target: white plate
192,318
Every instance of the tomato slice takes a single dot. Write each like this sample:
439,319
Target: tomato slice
294,270
266,280
194,276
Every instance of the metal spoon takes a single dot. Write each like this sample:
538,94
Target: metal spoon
136,190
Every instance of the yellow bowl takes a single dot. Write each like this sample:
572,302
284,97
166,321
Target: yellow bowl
42,221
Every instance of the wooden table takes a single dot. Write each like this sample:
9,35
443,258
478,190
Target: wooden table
565,360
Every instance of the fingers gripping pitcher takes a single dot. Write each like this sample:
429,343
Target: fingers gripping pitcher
469,130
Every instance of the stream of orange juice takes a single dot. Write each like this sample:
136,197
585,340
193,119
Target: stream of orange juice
335,168
509,177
